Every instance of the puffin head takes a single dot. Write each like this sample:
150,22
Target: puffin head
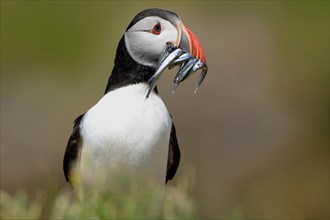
150,31
144,47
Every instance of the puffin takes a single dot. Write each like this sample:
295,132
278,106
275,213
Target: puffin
129,132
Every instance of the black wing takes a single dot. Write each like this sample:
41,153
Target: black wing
173,155
73,148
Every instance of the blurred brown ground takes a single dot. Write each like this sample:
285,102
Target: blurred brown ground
254,139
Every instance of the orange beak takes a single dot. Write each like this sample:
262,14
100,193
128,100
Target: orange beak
186,52
191,44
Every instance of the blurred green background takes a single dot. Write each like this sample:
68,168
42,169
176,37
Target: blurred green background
254,139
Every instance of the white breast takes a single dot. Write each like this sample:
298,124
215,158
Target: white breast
126,133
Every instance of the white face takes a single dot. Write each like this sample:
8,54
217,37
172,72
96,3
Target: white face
146,40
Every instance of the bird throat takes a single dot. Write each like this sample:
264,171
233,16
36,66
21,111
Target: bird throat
126,70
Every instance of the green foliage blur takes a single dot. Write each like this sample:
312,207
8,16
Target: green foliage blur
122,203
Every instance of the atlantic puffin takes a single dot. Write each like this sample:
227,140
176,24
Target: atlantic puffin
129,131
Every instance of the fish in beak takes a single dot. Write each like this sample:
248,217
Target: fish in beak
186,52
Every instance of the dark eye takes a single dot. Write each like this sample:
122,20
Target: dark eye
156,29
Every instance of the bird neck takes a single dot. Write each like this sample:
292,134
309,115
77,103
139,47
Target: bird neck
127,71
